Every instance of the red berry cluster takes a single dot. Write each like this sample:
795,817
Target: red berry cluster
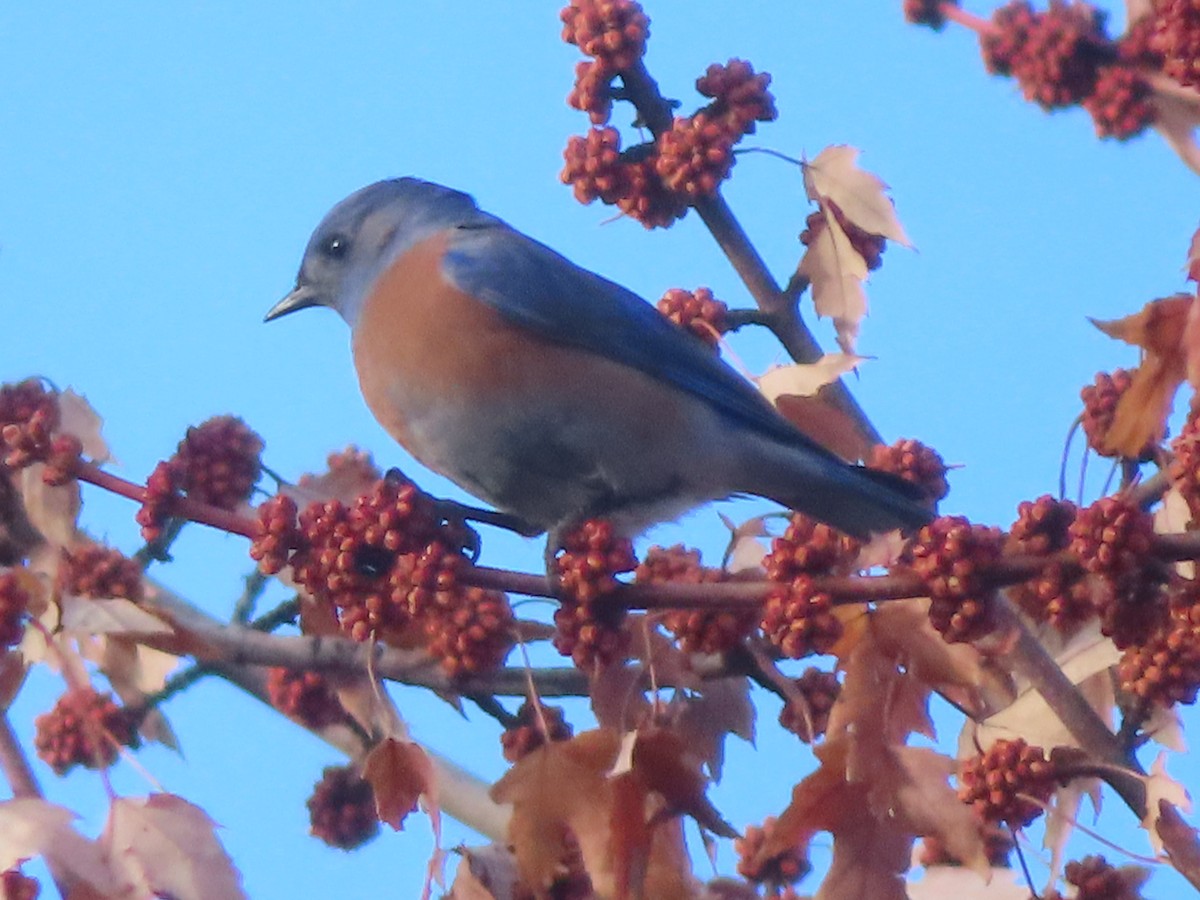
94,570
809,547
1112,538
1120,103
29,416
820,690
592,92
163,490
799,620
916,463
533,726
84,728
342,809
1138,47
1100,400
276,534
1095,879
14,602
614,32
1059,594
1165,669
1184,469
998,781
785,868
596,168
358,556
697,630
696,311
869,246
927,12
1177,38
952,556
220,459
588,629
305,696
1053,54
15,885
471,634
740,95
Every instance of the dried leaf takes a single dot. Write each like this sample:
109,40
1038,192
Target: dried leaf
1180,838
77,417
861,196
805,379
703,719
1176,120
52,510
663,763
164,845
1158,329
618,696
903,632
13,669
349,474
837,272
1162,789
745,551
32,827
400,773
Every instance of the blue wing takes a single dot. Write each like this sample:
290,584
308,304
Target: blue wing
531,285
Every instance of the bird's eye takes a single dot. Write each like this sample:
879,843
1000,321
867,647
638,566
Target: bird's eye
335,246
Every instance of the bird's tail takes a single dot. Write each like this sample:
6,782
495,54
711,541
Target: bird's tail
854,499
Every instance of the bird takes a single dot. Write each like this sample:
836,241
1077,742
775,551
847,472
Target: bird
549,392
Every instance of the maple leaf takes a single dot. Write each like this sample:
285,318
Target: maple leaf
400,773
1162,791
165,846
77,417
836,271
30,826
805,379
745,551
703,719
115,615
1171,352
834,175
52,509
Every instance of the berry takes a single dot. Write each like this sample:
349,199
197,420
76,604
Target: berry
646,199
1184,469
612,31
1120,103
591,635
29,415
998,781
587,629
592,92
471,635
220,461
740,96
782,869
96,571
799,620
162,496
1165,669
1131,610
342,809
1095,879
1059,594
276,534
820,690
952,556
869,246
1004,43
1112,537
697,630
1177,38
697,311
594,167
532,727
14,602
809,547
84,728
915,463
1136,46
695,155
306,697
926,12
1100,400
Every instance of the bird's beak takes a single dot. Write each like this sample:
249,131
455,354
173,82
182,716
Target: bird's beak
301,297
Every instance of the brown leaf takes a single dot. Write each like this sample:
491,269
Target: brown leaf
663,763
13,669
827,424
349,473
400,773
163,845
1158,329
618,696
903,632
1179,838
703,719
837,272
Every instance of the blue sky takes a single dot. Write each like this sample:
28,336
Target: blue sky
161,167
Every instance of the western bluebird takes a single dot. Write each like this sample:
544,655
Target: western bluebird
547,391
